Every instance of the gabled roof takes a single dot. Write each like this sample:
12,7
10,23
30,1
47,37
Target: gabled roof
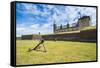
84,17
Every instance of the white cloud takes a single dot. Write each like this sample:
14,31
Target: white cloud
69,14
72,13
29,9
34,26
20,29
35,29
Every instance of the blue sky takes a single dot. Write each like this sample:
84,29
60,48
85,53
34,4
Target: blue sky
35,18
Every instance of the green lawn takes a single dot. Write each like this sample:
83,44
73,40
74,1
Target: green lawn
59,51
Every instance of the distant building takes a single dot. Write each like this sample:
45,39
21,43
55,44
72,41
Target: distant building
18,38
30,37
81,23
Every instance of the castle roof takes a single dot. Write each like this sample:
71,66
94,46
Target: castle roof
84,17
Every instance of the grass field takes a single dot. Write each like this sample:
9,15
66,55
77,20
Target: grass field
59,51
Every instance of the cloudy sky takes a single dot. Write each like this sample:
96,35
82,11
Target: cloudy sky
35,18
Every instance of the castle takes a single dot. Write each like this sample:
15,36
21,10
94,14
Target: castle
79,35
81,23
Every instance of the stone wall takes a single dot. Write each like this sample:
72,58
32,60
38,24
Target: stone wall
67,30
87,35
27,37
70,36
31,37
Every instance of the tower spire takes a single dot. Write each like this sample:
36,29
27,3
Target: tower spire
54,26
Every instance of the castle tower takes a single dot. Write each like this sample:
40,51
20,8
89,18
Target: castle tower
54,27
84,22
61,26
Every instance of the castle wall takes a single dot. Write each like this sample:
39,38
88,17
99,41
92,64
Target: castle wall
87,35
30,37
18,38
71,36
90,35
83,23
26,37
67,30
